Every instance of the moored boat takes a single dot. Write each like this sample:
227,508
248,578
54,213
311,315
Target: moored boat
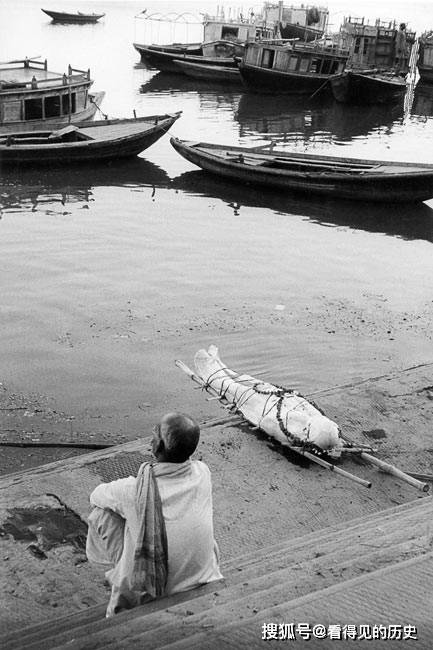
88,142
291,67
210,73
367,87
347,178
304,22
74,17
32,97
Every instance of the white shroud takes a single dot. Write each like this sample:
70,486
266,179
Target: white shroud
283,414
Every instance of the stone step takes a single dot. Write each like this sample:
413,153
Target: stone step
287,570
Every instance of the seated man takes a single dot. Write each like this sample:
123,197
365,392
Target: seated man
155,532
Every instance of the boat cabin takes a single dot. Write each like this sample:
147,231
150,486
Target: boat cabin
31,94
305,58
371,46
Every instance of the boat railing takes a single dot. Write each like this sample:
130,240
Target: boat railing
74,76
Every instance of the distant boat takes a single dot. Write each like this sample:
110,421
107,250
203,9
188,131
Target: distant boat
304,22
33,97
76,17
343,178
89,142
290,67
367,87
166,58
210,73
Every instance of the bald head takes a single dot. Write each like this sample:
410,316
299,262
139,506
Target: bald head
176,438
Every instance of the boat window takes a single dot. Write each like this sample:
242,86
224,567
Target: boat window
52,106
33,109
268,58
315,65
12,111
357,44
229,32
304,65
281,60
293,63
65,104
327,66
81,100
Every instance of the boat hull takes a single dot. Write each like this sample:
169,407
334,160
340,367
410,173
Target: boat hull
210,73
263,80
62,17
405,182
303,33
123,138
165,60
355,88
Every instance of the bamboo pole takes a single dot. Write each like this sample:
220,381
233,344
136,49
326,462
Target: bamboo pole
298,450
390,469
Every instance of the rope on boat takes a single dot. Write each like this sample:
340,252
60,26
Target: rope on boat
92,101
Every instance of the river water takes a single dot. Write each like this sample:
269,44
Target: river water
109,274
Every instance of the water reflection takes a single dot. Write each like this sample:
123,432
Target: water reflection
407,221
34,189
287,119
423,100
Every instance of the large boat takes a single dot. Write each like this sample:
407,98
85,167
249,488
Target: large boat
75,17
374,74
33,97
425,58
373,46
343,178
88,142
223,38
291,67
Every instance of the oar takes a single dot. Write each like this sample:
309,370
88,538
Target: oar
390,469
298,450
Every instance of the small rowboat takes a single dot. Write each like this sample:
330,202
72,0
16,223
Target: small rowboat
210,73
78,17
347,178
89,141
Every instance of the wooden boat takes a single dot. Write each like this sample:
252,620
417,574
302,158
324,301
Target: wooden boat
33,97
91,141
294,68
76,17
367,87
165,59
304,22
372,46
210,73
348,178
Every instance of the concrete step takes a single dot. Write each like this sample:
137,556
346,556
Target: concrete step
253,582
398,595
